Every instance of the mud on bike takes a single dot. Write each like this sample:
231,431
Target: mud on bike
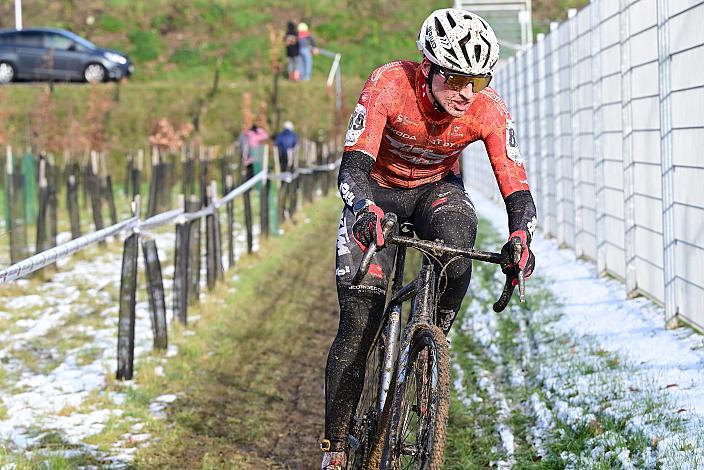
401,416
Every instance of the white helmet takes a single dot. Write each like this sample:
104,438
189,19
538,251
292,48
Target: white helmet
460,41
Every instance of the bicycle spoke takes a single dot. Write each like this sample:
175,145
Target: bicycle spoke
417,406
366,415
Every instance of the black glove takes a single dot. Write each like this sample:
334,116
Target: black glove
367,227
527,261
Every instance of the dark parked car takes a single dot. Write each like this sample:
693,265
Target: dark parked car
57,54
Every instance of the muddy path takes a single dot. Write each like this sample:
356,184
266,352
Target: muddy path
251,379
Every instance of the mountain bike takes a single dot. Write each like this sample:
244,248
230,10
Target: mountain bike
401,416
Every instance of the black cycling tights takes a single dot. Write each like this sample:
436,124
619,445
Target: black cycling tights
438,211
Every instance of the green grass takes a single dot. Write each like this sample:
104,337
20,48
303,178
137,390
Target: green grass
595,382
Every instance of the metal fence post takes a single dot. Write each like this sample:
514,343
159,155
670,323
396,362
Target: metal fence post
627,150
532,120
574,130
598,128
668,196
549,135
563,136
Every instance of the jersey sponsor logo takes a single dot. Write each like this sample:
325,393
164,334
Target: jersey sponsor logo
402,134
358,122
347,194
369,289
456,131
342,271
512,150
405,120
439,142
342,237
430,37
531,225
376,271
443,40
421,155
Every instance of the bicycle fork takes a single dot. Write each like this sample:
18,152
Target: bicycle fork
393,332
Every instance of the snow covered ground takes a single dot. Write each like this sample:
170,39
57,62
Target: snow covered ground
58,354
600,371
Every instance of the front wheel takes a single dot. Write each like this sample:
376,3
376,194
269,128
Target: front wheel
416,438
7,72
364,442
94,73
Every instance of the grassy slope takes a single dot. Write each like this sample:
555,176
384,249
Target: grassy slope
176,43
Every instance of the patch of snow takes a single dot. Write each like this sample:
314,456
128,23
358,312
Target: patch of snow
653,381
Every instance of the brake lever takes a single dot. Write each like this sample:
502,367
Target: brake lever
517,253
388,225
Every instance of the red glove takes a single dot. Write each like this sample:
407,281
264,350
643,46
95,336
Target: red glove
527,261
367,228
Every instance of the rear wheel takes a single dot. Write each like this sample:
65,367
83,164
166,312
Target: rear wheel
416,438
7,72
94,73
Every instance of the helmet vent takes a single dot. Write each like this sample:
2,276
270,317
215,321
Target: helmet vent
439,28
454,64
451,20
429,48
477,52
463,42
488,51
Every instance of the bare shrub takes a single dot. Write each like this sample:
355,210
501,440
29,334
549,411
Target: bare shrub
45,129
96,120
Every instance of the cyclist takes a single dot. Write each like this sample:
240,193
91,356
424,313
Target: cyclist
402,148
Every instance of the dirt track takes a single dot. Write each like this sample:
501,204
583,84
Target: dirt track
255,398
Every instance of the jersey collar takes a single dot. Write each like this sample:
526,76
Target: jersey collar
425,101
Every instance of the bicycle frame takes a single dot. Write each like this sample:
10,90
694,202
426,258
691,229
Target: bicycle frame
420,313
395,340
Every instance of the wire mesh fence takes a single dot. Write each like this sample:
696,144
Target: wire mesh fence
610,111
196,243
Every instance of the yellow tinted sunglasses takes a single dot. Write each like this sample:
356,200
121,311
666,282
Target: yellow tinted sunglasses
457,81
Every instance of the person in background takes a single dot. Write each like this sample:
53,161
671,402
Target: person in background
286,141
293,52
306,47
252,149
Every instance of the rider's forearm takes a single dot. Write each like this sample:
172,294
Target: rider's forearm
353,180
521,212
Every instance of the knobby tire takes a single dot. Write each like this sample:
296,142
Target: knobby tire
426,360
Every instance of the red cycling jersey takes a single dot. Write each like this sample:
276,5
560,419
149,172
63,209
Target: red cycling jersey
412,143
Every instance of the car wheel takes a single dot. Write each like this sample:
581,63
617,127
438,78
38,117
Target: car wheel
7,72
94,73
